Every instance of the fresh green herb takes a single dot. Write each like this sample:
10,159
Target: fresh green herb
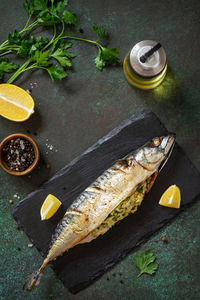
38,44
69,17
56,72
106,56
40,52
41,58
48,12
23,45
101,33
63,57
6,66
145,261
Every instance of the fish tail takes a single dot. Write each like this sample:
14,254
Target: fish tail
34,279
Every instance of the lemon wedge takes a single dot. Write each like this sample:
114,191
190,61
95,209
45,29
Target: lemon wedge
171,197
49,207
15,103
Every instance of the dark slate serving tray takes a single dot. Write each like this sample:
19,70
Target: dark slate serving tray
84,263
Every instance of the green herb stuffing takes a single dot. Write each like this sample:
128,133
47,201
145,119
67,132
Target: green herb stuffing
127,206
50,55
140,189
145,261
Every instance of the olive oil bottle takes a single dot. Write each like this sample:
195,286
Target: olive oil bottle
145,65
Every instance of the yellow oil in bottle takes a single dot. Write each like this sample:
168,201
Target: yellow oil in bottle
149,74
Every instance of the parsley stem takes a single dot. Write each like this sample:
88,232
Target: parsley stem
83,40
3,44
139,274
5,53
53,40
55,31
63,28
28,21
31,26
79,39
31,67
19,71
38,67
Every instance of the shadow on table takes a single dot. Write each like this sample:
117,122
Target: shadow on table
172,100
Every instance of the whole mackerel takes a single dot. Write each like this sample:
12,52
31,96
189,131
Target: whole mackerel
97,201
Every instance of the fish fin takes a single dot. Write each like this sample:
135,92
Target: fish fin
153,178
33,280
87,239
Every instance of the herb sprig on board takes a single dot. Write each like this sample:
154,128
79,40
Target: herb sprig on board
51,55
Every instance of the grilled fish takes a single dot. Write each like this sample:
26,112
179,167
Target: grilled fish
113,196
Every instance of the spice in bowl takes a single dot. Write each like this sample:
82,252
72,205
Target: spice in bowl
18,154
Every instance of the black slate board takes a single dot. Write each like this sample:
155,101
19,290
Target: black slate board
84,263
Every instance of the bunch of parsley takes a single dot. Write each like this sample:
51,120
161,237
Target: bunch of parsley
50,55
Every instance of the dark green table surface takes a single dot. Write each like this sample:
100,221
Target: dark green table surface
75,113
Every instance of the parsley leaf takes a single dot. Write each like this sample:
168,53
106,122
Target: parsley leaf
20,44
70,54
6,66
60,53
40,42
106,56
57,72
39,4
99,62
24,48
110,55
15,38
46,11
145,261
61,5
45,18
41,58
61,56
101,33
24,45
50,13
33,7
69,17
61,44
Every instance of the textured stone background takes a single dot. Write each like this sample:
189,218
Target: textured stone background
75,113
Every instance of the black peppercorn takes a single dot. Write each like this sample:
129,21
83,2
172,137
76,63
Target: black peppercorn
18,154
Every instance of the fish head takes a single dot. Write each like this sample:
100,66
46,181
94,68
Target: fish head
154,154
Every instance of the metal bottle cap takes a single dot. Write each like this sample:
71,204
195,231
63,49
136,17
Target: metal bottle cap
153,65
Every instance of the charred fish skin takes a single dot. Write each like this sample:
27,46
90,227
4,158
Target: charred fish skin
97,201
92,206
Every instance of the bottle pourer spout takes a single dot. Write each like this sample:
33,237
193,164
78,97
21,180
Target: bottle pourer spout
149,53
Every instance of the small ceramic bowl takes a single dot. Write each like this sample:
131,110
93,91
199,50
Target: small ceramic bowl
35,147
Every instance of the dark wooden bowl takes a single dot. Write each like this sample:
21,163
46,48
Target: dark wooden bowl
36,149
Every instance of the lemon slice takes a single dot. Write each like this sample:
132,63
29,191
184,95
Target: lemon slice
171,197
15,103
49,207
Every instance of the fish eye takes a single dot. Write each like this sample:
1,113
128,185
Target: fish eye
156,142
